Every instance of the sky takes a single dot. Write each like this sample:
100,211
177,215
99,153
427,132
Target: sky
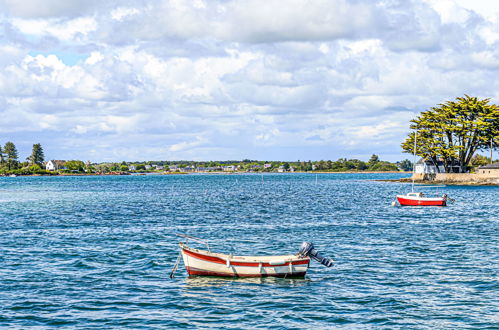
236,79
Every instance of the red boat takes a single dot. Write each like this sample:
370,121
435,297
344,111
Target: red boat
418,199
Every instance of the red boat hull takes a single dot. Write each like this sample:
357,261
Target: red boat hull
200,272
404,201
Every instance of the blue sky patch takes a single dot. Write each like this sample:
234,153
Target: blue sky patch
67,58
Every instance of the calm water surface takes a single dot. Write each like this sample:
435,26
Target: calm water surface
95,252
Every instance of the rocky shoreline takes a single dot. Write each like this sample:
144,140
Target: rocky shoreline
484,182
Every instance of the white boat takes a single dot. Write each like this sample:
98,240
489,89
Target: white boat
207,263
200,262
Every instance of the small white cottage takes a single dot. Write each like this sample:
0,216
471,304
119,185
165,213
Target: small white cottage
430,167
54,165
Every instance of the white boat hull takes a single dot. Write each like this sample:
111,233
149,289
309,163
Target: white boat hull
200,262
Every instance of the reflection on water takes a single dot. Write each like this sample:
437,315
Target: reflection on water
211,281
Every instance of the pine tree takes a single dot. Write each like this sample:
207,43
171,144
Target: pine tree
37,156
11,153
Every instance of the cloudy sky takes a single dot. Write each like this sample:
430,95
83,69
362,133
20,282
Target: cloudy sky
233,79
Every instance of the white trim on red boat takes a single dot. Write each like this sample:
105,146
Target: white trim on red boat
201,262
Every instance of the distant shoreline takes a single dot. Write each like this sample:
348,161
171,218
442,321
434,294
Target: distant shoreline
214,172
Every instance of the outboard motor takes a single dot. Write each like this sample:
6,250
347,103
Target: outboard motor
307,249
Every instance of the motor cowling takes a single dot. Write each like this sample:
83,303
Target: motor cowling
307,249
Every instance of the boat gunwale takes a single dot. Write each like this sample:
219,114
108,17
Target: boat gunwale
426,199
293,258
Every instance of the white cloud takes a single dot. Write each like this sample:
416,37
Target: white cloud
47,8
186,145
65,30
120,13
237,79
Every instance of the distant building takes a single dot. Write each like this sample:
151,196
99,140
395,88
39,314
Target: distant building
54,165
229,168
267,165
429,167
489,170
148,167
132,168
281,169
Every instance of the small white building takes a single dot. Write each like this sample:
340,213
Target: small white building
429,167
267,165
54,165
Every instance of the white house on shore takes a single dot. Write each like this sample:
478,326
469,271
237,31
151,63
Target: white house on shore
429,167
54,165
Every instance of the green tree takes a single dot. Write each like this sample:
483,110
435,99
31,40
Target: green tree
373,161
37,156
2,159
454,131
479,160
75,165
406,165
359,165
11,154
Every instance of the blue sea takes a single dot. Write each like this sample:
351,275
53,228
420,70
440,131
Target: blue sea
96,252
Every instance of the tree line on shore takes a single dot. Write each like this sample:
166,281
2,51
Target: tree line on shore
247,165
35,164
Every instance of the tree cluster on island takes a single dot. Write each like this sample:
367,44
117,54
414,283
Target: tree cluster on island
453,132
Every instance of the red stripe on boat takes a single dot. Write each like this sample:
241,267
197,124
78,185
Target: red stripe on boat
195,271
239,263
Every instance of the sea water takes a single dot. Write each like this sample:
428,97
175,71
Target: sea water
96,252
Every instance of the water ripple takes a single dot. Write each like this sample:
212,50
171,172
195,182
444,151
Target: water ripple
95,252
